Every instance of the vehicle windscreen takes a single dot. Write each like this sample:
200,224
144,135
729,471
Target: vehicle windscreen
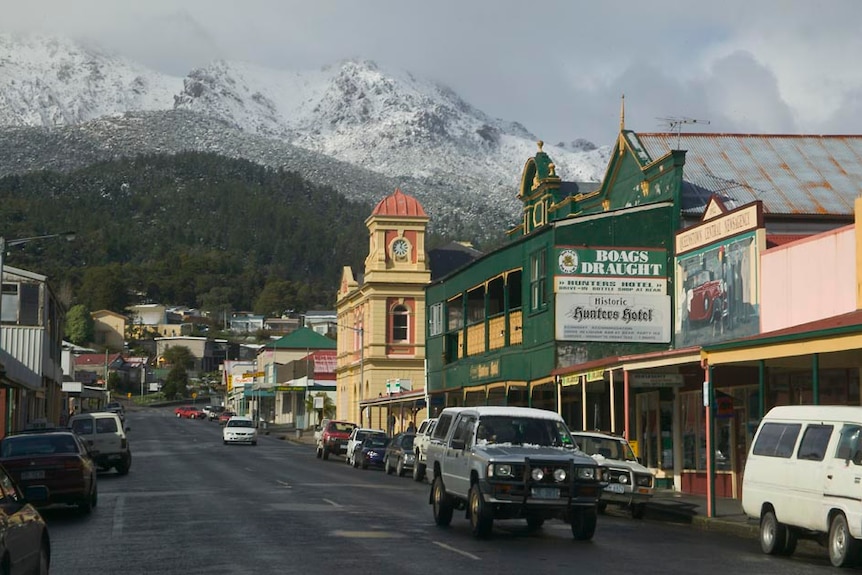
41,445
606,447
522,431
343,427
240,423
375,441
407,442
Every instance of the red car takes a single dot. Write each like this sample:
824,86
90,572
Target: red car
707,299
57,460
333,438
224,416
190,412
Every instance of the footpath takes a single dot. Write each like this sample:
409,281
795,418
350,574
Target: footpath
666,505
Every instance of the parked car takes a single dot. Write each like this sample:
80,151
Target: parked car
629,483
24,540
116,407
225,416
802,479
399,456
105,436
420,444
191,412
181,409
371,451
356,437
57,460
239,429
214,411
333,438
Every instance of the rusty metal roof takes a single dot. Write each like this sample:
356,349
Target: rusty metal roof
790,174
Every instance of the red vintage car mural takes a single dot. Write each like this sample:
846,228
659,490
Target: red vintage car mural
707,299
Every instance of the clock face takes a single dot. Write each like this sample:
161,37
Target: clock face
400,247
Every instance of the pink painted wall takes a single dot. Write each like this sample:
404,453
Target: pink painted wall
808,279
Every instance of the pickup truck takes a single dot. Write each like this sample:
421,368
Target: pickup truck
511,463
333,438
420,445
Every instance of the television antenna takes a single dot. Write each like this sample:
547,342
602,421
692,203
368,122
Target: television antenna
675,123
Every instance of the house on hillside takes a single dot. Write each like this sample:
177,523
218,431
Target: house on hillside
109,329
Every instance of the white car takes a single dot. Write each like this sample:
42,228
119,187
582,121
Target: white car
630,484
355,439
239,429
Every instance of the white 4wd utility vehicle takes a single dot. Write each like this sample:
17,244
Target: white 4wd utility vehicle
510,463
629,483
105,436
420,446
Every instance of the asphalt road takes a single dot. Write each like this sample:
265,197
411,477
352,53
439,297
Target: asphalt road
192,505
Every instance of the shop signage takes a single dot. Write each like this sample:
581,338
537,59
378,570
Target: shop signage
290,388
732,223
610,270
643,379
624,318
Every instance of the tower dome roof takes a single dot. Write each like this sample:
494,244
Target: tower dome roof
399,204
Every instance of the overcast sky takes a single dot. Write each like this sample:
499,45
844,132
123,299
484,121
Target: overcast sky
558,66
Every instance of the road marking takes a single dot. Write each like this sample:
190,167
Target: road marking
249,469
119,517
367,534
458,551
284,484
333,503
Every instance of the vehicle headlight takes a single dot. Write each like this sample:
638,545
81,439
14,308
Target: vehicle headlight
644,480
499,470
624,479
587,473
560,475
537,474
372,454
409,457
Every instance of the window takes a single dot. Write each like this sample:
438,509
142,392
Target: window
106,425
848,444
476,305
442,426
777,439
29,311
10,303
537,281
814,442
496,296
400,316
435,319
464,430
455,320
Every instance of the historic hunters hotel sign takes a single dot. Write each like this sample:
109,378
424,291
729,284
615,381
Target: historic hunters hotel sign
612,294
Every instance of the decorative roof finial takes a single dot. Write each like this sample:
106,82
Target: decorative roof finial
623,113
540,143
552,169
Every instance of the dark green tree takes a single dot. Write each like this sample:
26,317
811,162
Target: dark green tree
103,288
328,405
179,356
114,382
176,384
79,325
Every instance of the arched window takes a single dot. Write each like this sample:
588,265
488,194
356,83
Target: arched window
399,323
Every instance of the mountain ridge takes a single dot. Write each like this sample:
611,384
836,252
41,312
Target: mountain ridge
352,125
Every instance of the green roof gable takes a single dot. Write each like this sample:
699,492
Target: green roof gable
303,338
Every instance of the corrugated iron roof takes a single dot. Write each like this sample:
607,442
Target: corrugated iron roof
790,174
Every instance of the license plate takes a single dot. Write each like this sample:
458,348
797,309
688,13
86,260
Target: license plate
615,488
32,475
546,492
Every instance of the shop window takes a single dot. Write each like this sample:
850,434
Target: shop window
400,321
476,305
538,272
455,314
513,284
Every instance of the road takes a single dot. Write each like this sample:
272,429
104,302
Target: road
192,505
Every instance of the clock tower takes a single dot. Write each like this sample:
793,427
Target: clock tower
381,314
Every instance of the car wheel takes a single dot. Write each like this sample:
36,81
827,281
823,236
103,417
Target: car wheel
318,453
123,467
584,524
638,510
325,453
481,514
354,462
843,549
418,471
535,521
442,503
387,467
399,469
790,542
772,534
85,506
44,558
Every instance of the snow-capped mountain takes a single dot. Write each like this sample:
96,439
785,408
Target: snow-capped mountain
353,117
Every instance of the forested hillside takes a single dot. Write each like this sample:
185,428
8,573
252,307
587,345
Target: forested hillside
192,229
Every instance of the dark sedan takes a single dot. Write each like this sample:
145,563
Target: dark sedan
370,452
24,541
399,456
57,460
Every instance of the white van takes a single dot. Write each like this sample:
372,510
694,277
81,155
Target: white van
105,436
803,479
